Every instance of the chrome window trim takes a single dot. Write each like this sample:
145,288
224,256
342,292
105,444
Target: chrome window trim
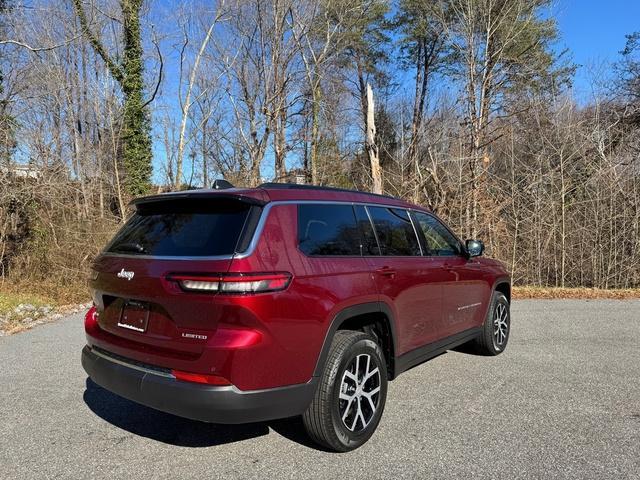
415,232
260,227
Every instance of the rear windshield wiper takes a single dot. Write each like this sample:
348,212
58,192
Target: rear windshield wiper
130,247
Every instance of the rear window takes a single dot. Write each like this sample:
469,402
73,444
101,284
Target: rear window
328,230
183,228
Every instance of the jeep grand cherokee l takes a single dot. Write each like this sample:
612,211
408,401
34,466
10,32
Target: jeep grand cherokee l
245,305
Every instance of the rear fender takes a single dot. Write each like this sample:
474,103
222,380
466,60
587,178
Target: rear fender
351,312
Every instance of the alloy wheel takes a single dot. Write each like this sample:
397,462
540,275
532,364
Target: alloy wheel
359,393
500,325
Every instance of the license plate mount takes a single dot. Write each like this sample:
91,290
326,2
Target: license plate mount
134,316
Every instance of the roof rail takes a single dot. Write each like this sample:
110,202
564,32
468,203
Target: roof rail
296,186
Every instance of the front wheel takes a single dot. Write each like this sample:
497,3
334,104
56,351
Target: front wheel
351,395
497,327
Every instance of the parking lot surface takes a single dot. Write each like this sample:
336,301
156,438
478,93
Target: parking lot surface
563,401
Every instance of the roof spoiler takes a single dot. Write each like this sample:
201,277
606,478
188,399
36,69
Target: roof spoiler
195,194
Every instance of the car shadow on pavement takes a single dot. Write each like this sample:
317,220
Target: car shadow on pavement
166,428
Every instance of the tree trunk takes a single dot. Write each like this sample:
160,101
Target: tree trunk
203,152
136,132
279,106
186,106
280,143
370,144
315,132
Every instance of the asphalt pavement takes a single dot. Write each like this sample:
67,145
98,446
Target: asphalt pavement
563,401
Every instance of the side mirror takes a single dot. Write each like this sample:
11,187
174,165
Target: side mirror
475,248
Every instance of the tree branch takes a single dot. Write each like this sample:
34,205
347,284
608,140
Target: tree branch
38,49
155,91
113,67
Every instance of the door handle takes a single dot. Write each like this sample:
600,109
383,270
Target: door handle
386,271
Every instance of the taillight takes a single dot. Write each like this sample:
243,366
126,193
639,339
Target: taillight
267,282
232,283
200,378
204,284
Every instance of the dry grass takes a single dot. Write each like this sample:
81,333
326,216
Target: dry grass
12,319
45,302
53,292
9,300
576,293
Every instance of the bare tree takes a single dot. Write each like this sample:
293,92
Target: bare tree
187,102
370,145
276,88
500,44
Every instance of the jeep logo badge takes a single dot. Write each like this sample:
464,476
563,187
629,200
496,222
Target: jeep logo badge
125,274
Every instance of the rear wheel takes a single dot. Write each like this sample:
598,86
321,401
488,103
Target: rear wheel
496,328
351,395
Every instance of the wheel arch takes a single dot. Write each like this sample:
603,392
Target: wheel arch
503,285
375,318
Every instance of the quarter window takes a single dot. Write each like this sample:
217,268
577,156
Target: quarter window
395,232
328,230
438,239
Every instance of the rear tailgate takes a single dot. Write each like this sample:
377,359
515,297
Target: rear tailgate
136,302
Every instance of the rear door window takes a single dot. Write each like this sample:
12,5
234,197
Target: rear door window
329,230
395,232
183,228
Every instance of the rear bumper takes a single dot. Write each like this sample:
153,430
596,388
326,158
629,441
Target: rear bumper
160,390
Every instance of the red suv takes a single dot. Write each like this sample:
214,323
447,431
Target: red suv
245,305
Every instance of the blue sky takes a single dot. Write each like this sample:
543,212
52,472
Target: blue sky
594,32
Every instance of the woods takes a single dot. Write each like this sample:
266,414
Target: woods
464,105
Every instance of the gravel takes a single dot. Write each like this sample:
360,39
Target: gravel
562,402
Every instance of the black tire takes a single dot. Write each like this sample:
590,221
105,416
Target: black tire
323,419
491,342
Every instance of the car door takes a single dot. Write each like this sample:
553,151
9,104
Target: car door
464,293
408,282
